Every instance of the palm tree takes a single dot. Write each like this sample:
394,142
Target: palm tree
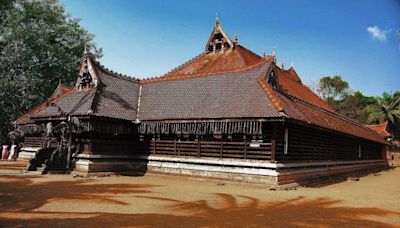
386,108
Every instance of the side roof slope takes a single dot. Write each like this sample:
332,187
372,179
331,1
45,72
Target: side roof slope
113,95
224,95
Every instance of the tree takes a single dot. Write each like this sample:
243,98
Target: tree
386,108
353,105
332,89
40,45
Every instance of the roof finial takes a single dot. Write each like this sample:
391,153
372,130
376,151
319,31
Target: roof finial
236,40
263,52
216,18
273,51
283,66
85,51
292,65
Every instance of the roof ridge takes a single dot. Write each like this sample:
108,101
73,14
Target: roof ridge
191,75
183,64
114,73
276,101
248,50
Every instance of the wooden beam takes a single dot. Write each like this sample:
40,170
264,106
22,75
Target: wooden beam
273,143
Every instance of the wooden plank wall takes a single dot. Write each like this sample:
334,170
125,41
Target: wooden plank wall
205,148
312,144
34,141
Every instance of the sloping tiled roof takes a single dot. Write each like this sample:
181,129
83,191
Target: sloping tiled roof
76,102
225,95
234,59
381,129
58,93
315,114
290,83
116,96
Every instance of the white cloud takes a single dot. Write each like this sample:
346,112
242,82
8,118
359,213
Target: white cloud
377,33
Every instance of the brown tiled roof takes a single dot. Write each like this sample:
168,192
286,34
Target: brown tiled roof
290,83
116,96
58,93
381,129
224,95
234,59
76,102
305,111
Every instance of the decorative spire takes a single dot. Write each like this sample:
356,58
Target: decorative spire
263,53
283,66
273,51
292,65
85,52
236,39
216,18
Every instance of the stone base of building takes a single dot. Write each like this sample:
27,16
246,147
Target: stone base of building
28,153
252,171
304,174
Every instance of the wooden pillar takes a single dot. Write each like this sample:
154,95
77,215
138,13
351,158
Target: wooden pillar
154,145
198,148
245,148
273,143
175,147
385,151
221,149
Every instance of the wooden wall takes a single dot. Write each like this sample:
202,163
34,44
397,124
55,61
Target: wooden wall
313,144
205,147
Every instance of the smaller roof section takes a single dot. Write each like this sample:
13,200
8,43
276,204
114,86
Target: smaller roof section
58,93
99,92
290,82
381,129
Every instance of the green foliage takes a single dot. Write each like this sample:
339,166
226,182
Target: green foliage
353,106
365,109
40,45
386,108
333,88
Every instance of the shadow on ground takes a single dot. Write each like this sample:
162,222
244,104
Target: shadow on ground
20,195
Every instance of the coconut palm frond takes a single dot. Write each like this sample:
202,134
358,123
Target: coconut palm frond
395,104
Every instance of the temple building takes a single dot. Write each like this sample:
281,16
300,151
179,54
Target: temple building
227,113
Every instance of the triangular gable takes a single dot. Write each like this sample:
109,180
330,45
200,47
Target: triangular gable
87,75
219,40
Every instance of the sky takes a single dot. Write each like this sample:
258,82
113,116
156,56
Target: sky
355,39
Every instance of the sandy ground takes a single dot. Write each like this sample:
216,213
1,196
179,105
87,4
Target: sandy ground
157,200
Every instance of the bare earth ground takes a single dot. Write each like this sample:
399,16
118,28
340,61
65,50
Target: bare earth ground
157,200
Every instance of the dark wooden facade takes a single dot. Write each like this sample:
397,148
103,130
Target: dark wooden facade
244,109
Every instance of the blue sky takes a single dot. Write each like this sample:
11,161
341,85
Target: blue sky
356,39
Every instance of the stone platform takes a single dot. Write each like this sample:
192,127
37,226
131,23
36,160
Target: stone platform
252,171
